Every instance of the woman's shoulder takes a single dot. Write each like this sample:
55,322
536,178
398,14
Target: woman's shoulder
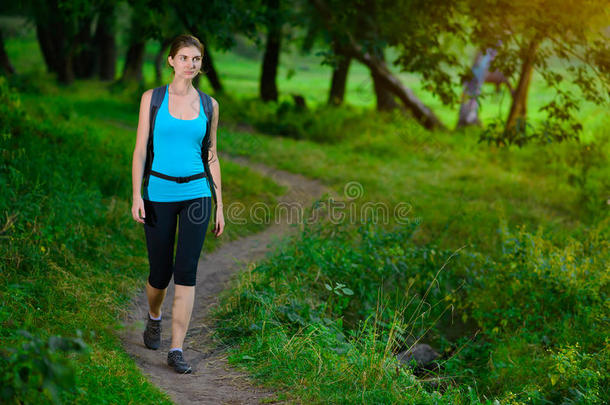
214,103
147,95
149,92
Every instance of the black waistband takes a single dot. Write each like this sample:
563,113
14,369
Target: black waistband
178,179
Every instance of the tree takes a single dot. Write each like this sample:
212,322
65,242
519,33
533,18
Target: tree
55,30
339,76
160,57
384,95
528,36
215,24
271,57
6,68
145,23
84,56
364,28
338,59
105,42
65,34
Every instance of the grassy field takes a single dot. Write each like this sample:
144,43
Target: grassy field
519,234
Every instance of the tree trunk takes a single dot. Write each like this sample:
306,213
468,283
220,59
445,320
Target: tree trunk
271,58
207,65
6,68
47,46
56,47
420,111
385,97
104,38
339,79
518,109
469,108
160,58
134,62
84,53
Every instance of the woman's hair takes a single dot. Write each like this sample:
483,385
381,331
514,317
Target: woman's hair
180,42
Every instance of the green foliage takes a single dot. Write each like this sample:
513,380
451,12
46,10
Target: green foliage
531,301
563,285
578,377
64,246
520,134
358,295
560,126
568,44
283,307
544,308
323,124
39,370
585,163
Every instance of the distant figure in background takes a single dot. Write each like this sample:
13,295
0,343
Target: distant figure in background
176,166
469,108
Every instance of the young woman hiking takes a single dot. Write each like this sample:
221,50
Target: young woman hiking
177,190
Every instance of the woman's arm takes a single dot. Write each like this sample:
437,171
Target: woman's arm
213,156
139,151
139,157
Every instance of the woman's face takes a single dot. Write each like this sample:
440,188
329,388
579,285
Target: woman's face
187,62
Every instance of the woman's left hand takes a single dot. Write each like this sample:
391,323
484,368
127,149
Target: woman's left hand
219,223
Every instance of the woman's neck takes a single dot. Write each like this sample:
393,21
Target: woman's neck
181,87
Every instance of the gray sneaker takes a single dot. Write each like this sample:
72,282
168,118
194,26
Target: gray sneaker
176,360
152,333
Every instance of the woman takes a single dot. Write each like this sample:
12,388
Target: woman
179,129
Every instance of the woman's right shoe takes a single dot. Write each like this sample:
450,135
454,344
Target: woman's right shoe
152,334
176,360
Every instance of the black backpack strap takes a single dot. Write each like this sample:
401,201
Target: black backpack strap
155,103
208,108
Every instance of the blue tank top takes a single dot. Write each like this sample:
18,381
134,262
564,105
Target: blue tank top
177,149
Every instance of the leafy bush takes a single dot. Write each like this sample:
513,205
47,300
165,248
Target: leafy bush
62,258
544,308
580,377
39,369
339,299
535,285
324,124
532,301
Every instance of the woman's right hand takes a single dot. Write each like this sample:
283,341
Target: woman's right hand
138,207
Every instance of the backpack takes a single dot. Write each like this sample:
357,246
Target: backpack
155,103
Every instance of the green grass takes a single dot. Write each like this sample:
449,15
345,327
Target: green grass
538,312
68,258
518,217
459,189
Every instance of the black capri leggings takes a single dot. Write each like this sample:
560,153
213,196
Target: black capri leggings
193,217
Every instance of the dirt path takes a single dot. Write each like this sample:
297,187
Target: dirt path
213,381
